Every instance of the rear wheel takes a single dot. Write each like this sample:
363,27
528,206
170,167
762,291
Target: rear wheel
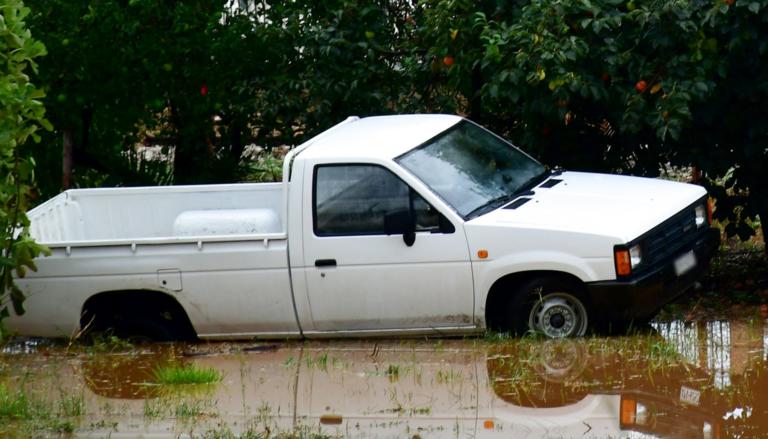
136,316
145,329
552,307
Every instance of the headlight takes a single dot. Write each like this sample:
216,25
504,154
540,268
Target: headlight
635,256
641,415
701,215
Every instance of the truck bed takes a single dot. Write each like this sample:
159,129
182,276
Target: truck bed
117,215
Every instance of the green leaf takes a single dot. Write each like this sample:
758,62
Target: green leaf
46,124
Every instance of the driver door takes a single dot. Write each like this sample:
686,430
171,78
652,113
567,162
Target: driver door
359,278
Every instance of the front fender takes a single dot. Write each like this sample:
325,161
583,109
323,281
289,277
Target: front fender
487,272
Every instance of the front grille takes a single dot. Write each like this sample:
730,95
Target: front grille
665,240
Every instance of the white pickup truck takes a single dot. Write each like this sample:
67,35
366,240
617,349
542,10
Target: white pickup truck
393,225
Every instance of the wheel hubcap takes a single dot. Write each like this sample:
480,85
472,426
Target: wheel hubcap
557,321
559,315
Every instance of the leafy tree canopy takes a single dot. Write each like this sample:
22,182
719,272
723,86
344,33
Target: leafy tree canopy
613,85
607,85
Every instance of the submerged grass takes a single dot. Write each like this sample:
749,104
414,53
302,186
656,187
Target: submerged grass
254,433
176,374
188,409
71,406
13,404
22,414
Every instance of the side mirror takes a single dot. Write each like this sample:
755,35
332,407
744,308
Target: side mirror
401,222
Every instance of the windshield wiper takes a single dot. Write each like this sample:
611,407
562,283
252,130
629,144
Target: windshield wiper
491,205
533,182
523,190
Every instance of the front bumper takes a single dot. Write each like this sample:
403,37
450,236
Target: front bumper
640,298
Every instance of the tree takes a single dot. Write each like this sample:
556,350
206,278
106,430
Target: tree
728,136
333,60
602,85
22,116
614,85
205,81
119,70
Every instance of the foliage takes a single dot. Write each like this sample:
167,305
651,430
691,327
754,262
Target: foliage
587,83
610,85
729,131
23,413
264,167
122,73
13,405
21,118
345,57
186,374
604,85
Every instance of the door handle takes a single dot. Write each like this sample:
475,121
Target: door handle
325,263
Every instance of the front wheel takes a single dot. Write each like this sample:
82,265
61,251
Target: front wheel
552,307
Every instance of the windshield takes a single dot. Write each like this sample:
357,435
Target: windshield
472,169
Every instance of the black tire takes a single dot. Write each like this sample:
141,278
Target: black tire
553,307
137,328
137,316
148,330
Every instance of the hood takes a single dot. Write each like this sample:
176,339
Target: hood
610,205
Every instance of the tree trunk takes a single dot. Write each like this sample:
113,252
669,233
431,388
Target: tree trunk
476,100
194,161
763,214
178,147
85,136
67,155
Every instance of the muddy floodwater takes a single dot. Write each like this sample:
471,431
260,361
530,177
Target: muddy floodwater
698,380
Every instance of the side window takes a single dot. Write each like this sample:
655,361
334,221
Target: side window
354,199
427,217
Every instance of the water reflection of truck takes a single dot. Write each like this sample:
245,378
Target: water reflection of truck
389,390
382,226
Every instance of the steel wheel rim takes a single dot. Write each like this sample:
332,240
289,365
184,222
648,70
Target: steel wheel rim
558,315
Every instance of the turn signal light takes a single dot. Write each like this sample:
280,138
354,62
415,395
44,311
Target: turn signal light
628,411
623,262
488,424
482,254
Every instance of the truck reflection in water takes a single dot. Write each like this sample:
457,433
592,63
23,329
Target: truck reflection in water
645,385
682,381
617,387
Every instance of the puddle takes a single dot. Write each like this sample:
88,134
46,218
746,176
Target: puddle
701,380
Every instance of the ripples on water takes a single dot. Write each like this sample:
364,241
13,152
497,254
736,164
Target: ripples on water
682,380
